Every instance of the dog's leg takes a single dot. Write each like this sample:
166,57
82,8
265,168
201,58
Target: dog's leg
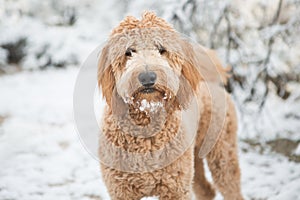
172,196
122,192
223,160
176,191
124,196
202,188
176,182
223,163
118,186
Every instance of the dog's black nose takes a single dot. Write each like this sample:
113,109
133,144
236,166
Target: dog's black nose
147,78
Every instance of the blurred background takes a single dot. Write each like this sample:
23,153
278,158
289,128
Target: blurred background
43,44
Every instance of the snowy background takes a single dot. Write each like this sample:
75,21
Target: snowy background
43,44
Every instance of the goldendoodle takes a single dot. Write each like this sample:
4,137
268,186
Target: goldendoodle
166,111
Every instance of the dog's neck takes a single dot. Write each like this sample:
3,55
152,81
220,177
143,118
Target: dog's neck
141,132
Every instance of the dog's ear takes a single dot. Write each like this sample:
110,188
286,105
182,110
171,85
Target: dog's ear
190,74
190,70
199,64
184,93
106,79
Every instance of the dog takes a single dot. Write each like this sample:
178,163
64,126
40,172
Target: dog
166,111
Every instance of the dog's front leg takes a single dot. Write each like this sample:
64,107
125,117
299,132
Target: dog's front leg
118,185
177,178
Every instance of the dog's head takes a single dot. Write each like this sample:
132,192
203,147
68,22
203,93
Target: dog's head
147,65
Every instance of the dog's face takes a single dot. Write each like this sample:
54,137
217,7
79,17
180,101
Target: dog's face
147,76
148,66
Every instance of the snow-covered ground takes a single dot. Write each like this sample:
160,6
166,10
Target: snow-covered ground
41,156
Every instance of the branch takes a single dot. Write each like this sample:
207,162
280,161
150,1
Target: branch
276,17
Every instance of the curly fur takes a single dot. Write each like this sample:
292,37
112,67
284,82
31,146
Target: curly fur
183,70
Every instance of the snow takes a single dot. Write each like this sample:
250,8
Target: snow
41,154
42,158
50,41
149,106
297,150
268,176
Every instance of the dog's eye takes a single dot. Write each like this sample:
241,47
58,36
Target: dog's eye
129,52
162,50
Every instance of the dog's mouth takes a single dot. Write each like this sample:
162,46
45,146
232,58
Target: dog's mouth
148,90
152,94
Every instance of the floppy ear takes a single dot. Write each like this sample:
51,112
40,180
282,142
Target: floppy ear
190,75
106,79
184,93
